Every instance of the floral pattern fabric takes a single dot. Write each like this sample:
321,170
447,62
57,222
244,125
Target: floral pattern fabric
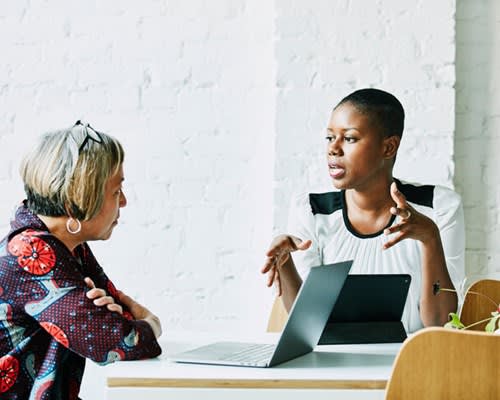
48,327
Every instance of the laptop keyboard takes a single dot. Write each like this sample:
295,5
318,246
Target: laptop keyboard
254,353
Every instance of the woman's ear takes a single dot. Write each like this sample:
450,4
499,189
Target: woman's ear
391,146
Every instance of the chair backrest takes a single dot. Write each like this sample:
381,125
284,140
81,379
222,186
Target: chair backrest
477,307
439,363
277,317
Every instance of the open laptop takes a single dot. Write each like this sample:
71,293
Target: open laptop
306,321
368,310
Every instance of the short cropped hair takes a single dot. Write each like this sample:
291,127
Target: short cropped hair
66,173
383,108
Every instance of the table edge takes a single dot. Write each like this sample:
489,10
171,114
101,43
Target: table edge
247,383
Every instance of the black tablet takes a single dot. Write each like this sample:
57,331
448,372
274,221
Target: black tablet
368,310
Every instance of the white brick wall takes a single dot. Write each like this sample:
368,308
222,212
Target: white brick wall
221,107
477,140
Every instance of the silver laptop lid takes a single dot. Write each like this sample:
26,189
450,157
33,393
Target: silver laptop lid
307,319
311,310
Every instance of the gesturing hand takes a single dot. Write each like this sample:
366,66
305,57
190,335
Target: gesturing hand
412,224
278,254
100,298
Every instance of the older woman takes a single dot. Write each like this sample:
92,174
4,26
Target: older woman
57,306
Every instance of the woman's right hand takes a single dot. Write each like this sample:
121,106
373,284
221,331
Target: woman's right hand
278,255
140,312
100,298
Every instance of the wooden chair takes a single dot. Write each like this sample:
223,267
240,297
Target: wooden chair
439,363
477,307
277,317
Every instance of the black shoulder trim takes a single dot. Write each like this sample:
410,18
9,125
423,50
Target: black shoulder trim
325,203
421,195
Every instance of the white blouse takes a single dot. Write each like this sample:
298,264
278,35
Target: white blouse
323,219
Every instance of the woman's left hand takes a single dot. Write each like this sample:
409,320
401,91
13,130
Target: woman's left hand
412,224
100,298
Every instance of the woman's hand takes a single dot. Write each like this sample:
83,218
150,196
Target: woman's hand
412,224
100,298
278,255
140,312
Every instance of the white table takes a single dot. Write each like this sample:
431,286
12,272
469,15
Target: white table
330,372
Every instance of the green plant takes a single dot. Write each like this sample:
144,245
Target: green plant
493,324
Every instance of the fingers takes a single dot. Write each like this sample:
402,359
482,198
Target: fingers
304,245
393,240
104,300
95,293
280,250
411,224
287,243
402,210
110,304
278,255
398,237
402,230
100,298
273,277
89,282
398,197
398,231
115,308
275,261
403,213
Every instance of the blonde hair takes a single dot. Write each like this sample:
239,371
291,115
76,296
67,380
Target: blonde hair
66,173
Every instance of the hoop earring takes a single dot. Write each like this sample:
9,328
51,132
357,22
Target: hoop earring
78,225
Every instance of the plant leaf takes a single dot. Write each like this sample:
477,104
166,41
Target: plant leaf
490,327
454,322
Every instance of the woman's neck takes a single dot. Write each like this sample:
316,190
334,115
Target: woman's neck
368,210
371,200
57,226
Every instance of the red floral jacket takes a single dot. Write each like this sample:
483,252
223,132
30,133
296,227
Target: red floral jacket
48,327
